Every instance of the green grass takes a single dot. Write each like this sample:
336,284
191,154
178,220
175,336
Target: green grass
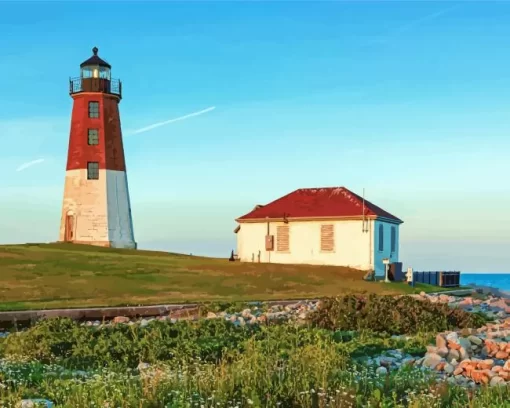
40,276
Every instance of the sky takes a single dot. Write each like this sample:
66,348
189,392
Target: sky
407,100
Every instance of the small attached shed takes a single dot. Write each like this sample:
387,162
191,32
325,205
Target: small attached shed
319,226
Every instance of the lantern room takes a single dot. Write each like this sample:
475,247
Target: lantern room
95,76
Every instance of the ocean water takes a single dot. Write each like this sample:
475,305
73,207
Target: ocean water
494,280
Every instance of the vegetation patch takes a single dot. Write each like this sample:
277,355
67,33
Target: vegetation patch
315,363
394,315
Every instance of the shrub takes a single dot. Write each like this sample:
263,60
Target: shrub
62,340
403,315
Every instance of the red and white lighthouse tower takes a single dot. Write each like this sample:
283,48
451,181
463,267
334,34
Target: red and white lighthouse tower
96,208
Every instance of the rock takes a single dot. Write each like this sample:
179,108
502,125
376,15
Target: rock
432,349
462,354
496,380
464,342
448,368
120,319
453,337
432,360
262,319
440,341
443,351
233,318
452,355
451,380
486,364
458,371
440,366
480,377
381,371
409,361
276,315
184,313
460,379
502,355
144,322
246,313
211,315
475,340
35,402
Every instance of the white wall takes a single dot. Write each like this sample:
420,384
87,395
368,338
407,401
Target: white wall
386,252
352,247
101,209
86,199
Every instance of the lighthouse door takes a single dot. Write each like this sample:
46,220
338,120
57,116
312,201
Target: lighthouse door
69,228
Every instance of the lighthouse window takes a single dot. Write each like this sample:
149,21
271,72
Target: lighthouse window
92,170
93,109
93,137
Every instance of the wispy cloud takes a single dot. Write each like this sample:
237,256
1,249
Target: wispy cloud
408,26
428,17
29,164
166,122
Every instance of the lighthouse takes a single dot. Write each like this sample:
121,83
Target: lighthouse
96,208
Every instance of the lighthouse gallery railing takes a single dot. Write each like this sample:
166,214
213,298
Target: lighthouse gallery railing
112,86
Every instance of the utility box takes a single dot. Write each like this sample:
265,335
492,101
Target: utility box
269,242
395,272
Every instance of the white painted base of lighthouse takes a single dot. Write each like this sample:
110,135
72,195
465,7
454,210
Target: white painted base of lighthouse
97,212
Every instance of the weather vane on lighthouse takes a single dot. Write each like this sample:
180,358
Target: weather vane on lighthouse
96,209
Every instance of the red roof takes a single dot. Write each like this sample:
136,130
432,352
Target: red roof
318,202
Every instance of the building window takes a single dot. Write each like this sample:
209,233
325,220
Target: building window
282,238
93,137
93,109
393,239
381,238
92,170
327,238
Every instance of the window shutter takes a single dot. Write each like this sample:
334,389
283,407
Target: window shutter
282,238
327,238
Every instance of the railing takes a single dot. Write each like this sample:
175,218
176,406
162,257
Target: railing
111,86
450,279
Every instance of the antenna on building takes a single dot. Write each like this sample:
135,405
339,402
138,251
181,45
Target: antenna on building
363,227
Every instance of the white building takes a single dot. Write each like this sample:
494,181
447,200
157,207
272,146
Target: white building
321,226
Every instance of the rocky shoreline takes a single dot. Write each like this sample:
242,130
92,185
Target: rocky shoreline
469,357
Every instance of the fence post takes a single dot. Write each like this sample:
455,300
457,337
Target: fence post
410,276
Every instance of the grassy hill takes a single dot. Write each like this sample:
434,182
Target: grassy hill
66,275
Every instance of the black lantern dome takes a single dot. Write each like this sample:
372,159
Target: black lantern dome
95,67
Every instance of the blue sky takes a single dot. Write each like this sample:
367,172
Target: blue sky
409,100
